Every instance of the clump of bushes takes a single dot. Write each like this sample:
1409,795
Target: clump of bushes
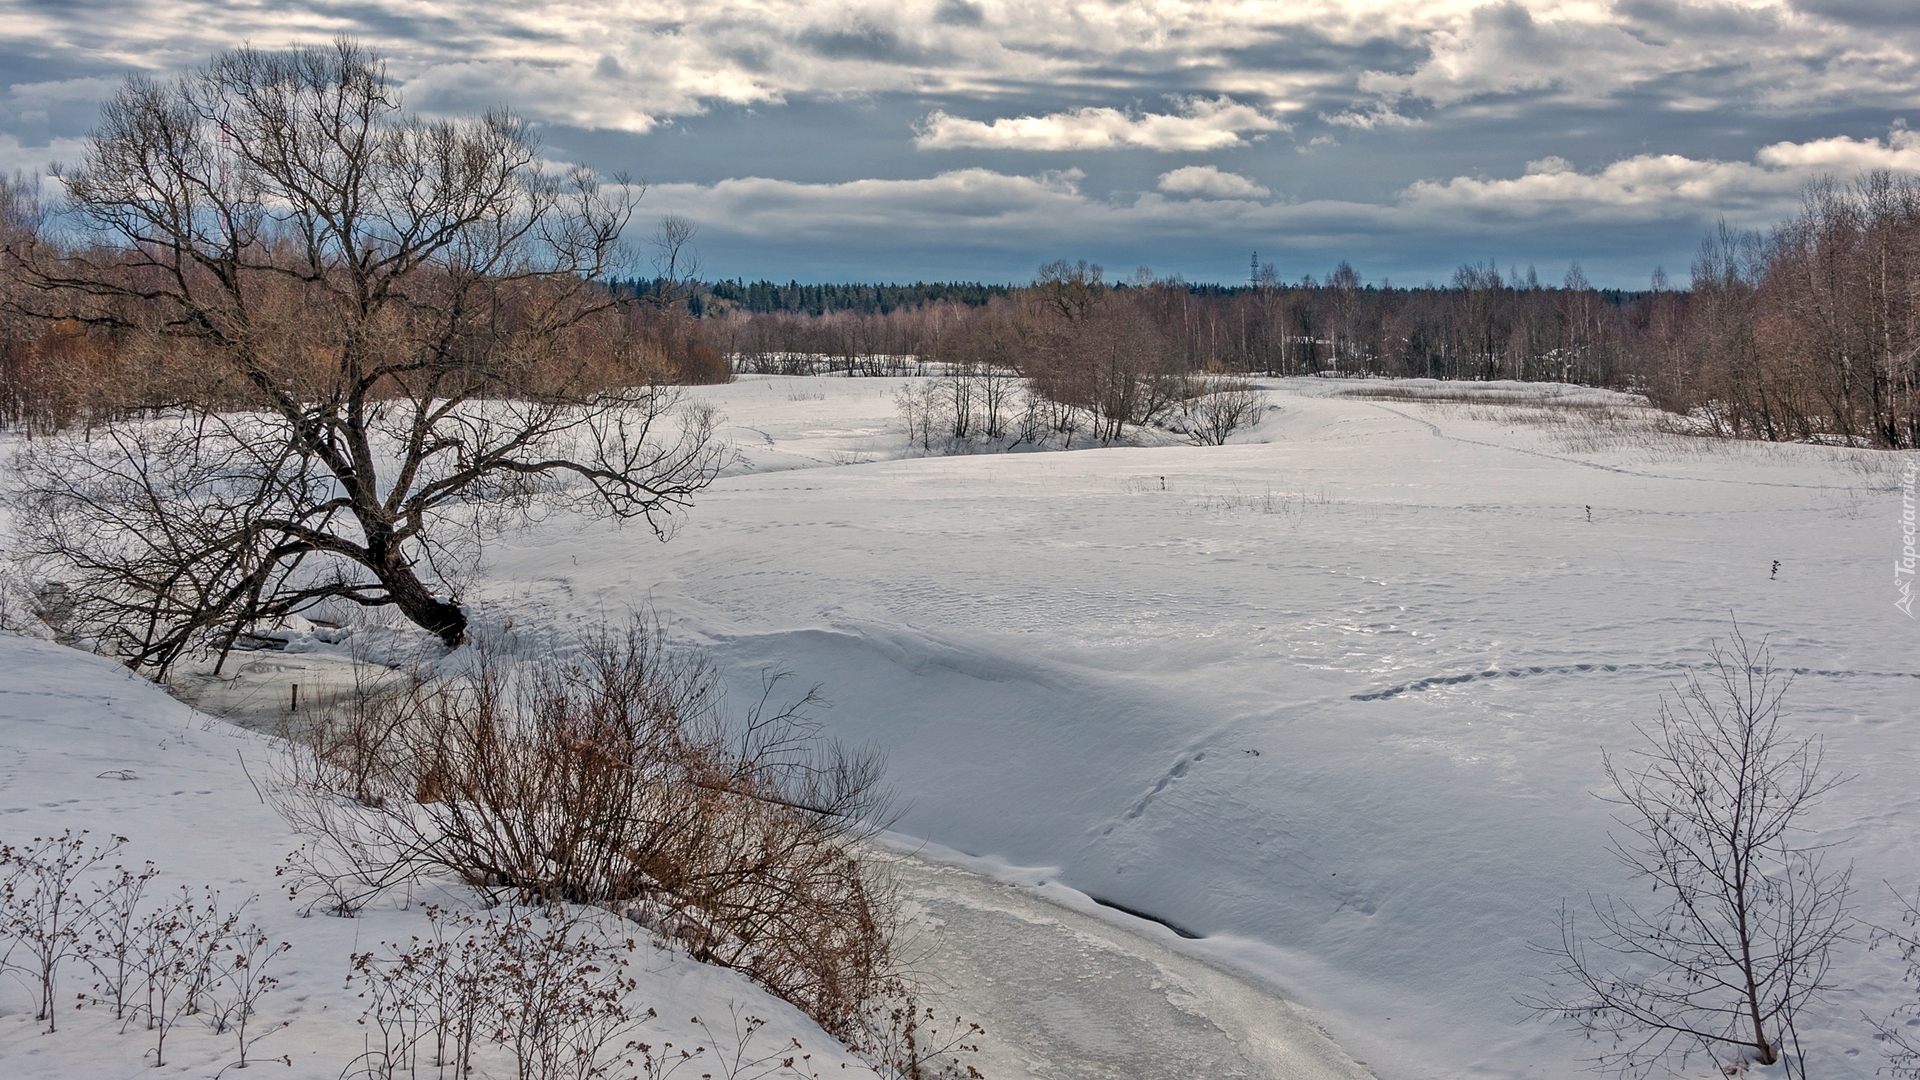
616,780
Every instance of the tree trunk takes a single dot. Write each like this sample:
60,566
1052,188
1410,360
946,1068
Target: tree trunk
443,618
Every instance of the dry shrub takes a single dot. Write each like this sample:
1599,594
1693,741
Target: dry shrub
613,780
163,963
550,991
43,905
179,947
1216,406
904,1038
1899,1040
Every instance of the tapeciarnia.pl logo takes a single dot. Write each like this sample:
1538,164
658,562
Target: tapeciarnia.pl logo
1903,567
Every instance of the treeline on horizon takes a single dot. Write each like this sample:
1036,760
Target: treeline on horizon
1809,331
766,297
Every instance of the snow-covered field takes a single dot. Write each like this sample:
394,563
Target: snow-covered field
1332,697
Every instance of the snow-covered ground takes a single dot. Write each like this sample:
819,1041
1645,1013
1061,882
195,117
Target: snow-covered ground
1332,697
1064,987
86,745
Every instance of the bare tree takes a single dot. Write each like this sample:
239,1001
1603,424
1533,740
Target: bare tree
1106,356
1067,290
1736,940
383,308
676,266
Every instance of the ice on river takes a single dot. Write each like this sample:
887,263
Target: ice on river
1064,993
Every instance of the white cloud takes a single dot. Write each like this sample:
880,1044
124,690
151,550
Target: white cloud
979,199
987,207
1378,115
1844,156
1201,124
991,208
1696,54
1210,182
1664,185
16,156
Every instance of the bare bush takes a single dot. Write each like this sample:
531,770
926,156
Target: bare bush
44,906
1043,419
427,999
613,780
1217,406
164,963
1898,1038
904,1039
547,990
111,943
240,982
743,1062
924,413
178,949
1736,941
561,1006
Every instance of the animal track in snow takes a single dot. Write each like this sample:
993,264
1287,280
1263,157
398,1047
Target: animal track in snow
1578,669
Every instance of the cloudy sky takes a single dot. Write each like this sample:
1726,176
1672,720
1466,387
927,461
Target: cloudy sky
945,139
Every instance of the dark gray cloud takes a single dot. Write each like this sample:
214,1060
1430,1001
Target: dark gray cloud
876,43
959,13
1872,14
1721,20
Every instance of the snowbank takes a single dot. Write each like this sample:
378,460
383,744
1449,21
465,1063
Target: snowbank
86,745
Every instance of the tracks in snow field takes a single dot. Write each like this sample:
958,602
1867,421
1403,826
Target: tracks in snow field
1435,681
1434,430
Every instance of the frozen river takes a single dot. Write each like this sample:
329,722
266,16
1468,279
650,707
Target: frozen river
1063,993
1067,994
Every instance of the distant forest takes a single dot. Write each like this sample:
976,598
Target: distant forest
764,297
767,297
1810,331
